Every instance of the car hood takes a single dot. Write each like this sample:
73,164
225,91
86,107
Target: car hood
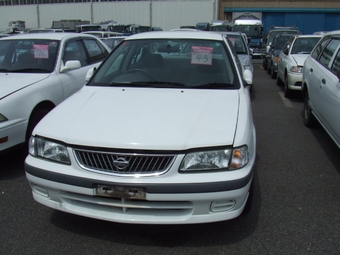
12,82
144,118
299,59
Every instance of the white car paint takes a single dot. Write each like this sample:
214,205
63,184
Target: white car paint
290,62
23,93
115,123
321,85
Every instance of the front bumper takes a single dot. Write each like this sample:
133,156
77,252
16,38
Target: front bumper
294,81
12,133
165,203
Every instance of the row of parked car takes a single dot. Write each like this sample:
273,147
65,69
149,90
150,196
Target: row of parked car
310,64
161,133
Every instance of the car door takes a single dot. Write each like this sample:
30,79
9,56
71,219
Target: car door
89,54
328,104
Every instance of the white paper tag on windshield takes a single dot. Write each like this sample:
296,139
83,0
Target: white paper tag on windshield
40,51
201,55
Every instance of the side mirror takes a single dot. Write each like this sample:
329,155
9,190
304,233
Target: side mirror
70,65
251,51
248,77
89,73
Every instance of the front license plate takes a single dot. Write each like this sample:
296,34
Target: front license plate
121,192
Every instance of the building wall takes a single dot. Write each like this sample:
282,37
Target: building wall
251,4
164,14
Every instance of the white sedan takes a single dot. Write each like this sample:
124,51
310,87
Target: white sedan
291,60
321,86
159,135
37,72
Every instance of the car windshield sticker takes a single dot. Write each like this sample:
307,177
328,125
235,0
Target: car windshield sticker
201,55
233,40
40,51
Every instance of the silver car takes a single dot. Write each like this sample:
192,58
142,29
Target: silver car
321,85
242,50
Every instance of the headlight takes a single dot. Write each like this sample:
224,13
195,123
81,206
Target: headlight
228,159
2,118
296,69
50,150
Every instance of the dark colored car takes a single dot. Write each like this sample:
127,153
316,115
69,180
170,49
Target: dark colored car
273,55
268,39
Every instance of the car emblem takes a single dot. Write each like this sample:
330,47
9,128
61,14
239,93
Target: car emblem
120,163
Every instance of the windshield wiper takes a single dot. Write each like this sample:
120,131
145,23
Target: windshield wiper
153,84
37,70
215,85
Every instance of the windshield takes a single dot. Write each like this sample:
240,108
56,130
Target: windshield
304,45
119,28
28,55
41,31
238,43
281,41
184,63
274,33
249,30
85,28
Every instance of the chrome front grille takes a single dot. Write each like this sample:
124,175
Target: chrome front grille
123,163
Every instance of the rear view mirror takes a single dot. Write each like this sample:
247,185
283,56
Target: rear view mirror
70,65
248,77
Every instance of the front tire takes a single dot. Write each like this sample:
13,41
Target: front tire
268,67
288,92
264,64
308,117
278,80
272,73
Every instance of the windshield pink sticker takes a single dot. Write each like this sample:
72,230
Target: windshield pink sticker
40,51
201,55
233,40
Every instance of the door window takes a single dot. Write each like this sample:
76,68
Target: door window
96,51
328,53
74,51
336,64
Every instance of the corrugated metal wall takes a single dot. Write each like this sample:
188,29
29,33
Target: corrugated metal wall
164,14
307,23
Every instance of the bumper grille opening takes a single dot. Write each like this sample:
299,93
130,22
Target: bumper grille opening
124,164
133,207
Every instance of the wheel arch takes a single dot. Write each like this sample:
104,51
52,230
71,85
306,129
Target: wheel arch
304,89
44,106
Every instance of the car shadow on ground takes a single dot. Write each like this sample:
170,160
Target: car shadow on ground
195,235
12,163
327,144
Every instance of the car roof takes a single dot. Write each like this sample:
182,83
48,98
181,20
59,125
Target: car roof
178,34
50,36
285,35
335,32
308,36
230,32
283,30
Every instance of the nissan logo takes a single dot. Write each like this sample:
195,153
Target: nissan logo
120,163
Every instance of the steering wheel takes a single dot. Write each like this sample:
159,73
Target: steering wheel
142,71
